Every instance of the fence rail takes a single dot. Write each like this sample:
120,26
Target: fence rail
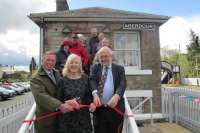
181,106
11,116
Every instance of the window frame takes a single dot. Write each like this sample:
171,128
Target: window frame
138,50
132,70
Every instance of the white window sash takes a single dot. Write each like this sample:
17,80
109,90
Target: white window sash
137,51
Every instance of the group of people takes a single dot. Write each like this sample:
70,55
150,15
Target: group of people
77,44
68,87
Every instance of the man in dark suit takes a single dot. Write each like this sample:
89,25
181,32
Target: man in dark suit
44,87
108,84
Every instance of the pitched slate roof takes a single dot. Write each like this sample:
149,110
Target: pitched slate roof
98,14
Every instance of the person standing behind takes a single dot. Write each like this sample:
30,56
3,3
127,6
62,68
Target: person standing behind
101,36
83,41
108,83
78,49
44,87
75,84
105,42
98,45
62,54
93,40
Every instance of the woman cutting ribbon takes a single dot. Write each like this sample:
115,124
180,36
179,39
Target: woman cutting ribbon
75,84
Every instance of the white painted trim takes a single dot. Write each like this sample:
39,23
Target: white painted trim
134,71
138,93
147,116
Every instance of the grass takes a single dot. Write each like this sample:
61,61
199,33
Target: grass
19,76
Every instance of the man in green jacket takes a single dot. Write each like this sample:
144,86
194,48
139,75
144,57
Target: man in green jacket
44,87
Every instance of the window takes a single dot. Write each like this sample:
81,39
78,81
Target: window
127,49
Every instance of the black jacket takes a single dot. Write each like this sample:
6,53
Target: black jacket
93,41
61,57
119,80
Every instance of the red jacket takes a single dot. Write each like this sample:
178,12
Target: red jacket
79,49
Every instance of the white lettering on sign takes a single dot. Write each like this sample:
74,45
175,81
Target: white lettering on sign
138,26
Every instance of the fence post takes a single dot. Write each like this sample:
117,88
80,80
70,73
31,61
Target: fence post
176,108
170,108
151,109
162,98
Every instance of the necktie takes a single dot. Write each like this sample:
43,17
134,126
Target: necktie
51,75
102,81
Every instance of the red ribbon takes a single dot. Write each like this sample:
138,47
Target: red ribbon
42,117
117,110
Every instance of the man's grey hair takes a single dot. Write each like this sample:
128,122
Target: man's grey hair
105,49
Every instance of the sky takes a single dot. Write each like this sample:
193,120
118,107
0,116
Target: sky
19,36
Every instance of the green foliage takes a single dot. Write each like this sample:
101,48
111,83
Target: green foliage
194,55
194,46
19,76
185,66
190,62
180,59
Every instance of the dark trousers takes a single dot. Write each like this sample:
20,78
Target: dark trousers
106,120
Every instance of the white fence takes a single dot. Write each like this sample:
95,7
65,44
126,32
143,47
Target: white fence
181,106
140,96
129,125
11,117
191,81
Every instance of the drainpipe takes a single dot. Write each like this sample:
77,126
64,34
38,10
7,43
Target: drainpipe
41,40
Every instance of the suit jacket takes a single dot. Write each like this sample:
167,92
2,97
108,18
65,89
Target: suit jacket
119,80
44,91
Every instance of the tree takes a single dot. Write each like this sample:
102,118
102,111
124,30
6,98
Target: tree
170,55
194,54
185,66
194,46
174,57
